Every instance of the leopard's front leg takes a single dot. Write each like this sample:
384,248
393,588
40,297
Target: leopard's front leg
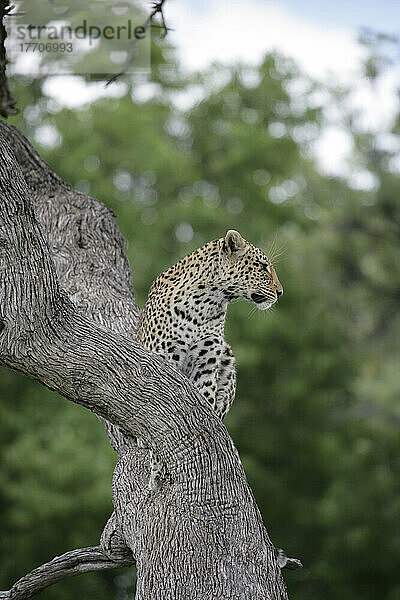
226,382
203,365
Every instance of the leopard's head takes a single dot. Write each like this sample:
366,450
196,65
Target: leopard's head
247,272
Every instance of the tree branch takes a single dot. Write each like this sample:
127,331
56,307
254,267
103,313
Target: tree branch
148,23
70,564
7,102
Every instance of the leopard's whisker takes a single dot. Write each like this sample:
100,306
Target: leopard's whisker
272,247
252,312
278,252
280,259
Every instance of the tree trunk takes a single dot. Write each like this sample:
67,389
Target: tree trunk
67,319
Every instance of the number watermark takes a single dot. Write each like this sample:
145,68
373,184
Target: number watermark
33,47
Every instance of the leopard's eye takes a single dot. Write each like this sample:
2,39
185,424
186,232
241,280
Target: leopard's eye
266,268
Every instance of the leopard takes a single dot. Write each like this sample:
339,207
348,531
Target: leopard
183,318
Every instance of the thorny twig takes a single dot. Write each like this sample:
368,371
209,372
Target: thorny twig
157,9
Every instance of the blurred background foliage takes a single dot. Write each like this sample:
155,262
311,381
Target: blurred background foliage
317,416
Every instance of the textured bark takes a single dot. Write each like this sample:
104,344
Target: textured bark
67,318
7,102
69,564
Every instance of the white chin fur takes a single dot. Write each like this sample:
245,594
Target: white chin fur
264,305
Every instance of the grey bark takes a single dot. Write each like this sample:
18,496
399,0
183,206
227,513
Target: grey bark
71,563
7,102
67,319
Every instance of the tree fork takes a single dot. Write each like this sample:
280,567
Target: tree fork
68,317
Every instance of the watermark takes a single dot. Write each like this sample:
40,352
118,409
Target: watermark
75,37
81,32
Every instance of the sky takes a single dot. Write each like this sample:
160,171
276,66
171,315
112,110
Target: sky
383,15
379,14
320,35
309,29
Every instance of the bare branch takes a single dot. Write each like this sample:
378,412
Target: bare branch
293,564
157,9
70,564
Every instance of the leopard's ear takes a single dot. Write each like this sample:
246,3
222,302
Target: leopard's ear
234,244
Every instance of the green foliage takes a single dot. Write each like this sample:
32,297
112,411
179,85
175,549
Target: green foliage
95,37
315,420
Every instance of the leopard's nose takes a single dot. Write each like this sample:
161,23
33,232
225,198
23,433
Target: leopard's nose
279,293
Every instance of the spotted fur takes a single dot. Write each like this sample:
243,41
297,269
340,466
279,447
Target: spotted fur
184,316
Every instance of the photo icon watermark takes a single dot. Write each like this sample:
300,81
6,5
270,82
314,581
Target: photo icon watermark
66,37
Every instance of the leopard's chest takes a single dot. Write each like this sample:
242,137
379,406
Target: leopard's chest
180,324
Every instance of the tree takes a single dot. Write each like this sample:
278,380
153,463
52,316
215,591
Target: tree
316,414
54,328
